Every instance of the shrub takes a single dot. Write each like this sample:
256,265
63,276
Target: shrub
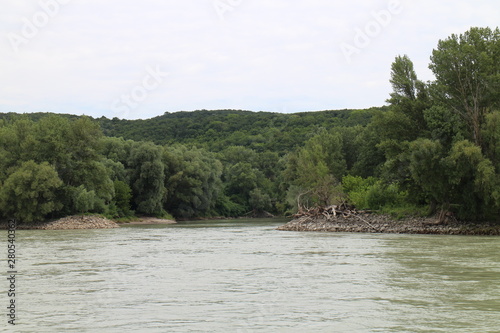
371,193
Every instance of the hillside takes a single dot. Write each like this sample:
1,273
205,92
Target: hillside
215,130
218,129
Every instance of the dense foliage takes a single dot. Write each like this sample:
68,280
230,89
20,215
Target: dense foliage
436,147
216,130
188,164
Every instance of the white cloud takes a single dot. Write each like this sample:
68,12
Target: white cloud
265,55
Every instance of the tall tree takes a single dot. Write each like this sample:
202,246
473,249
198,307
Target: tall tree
467,74
147,176
408,100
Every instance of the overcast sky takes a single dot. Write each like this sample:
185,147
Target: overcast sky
139,59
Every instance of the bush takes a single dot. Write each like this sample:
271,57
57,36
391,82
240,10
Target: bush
372,193
228,208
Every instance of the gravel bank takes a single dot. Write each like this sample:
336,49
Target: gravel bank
373,223
70,222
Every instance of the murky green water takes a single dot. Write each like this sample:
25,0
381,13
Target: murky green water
241,276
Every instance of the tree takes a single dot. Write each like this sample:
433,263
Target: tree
467,71
491,137
460,179
52,143
444,125
29,193
317,167
147,177
429,172
403,80
259,201
408,101
16,145
370,157
122,199
475,182
84,200
193,180
93,176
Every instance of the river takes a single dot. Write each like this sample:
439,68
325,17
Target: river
244,276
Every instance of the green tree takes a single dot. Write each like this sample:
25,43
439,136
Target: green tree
29,193
259,201
193,181
84,201
467,71
317,167
491,137
444,125
405,119
460,179
147,176
16,145
409,96
429,172
474,180
51,134
370,157
122,199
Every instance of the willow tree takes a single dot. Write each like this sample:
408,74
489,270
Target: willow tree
29,193
147,176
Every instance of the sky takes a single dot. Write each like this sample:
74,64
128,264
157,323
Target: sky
139,59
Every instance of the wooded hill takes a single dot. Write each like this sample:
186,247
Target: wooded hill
217,129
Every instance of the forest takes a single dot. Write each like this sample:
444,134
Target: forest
434,148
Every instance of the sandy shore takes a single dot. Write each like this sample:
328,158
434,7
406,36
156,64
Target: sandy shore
374,223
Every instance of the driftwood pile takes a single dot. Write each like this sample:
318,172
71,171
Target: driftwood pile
345,218
330,212
333,213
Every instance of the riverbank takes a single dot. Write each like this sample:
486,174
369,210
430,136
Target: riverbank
68,223
375,223
85,222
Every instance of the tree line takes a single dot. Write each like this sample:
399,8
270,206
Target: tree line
434,148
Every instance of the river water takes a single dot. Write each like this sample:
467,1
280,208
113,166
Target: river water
244,276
